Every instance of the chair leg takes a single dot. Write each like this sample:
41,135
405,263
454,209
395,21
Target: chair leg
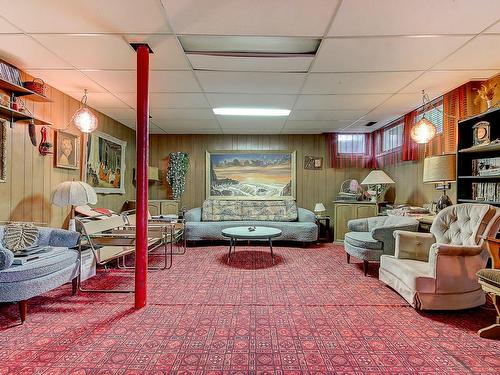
74,286
348,258
23,310
365,266
491,332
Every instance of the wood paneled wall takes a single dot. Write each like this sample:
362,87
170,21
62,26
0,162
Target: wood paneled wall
312,185
31,178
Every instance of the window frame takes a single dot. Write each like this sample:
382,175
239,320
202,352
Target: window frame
363,142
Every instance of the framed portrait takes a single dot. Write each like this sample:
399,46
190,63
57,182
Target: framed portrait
3,151
67,150
104,167
251,175
313,162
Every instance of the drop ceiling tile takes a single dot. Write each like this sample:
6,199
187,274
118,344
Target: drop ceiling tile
100,100
414,17
250,122
188,126
494,28
250,64
91,51
357,83
86,16
7,28
243,17
182,114
324,125
325,115
396,105
437,82
130,123
254,130
304,131
340,102
159,81
251,83
192,131
168,100
120,113
251,100
384,53
481,53
67,80
25,53
153,129
167,52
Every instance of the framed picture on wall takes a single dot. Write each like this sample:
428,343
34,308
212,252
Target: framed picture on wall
3,151
104,167
67,150
250,175
313,162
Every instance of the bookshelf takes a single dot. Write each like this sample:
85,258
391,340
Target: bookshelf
470,185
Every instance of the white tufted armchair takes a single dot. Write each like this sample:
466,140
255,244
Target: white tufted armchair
437,270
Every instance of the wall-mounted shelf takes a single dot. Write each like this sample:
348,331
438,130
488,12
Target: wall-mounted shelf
486,148
480,177
22,91
12,115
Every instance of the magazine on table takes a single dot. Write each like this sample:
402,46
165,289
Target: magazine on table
33,253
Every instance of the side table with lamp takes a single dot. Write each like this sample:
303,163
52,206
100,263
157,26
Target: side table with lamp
323,223
441,171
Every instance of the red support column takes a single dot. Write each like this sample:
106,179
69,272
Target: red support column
142,152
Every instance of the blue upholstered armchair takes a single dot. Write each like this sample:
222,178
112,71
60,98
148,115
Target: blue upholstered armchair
371,237
18,283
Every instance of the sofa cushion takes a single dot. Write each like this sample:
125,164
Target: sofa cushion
6,258
61,258
242,210
489,276
413,273
363,239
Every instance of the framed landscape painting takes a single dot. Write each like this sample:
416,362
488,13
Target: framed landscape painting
105,163
250,175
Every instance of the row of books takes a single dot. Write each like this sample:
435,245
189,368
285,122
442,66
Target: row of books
486,191
486,167
10,74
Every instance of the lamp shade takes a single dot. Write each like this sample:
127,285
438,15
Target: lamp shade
319,207
74,193
377,177
440,168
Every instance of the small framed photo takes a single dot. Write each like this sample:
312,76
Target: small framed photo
67,150
313,162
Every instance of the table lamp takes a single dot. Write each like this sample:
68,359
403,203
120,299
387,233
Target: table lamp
377,181
73,193
441,171
319,209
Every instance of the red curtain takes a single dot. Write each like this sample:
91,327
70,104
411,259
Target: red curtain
358,159
410,148
455,109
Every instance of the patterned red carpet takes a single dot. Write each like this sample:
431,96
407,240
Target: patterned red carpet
309,313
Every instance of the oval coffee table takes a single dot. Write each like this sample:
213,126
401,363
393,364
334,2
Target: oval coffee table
242,233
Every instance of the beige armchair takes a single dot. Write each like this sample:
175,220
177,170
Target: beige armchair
437,270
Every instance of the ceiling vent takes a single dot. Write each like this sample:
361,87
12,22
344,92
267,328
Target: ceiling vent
371,123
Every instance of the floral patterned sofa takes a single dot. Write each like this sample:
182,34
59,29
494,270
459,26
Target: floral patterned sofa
207,222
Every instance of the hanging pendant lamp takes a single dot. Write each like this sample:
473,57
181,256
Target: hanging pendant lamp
424,130
84,119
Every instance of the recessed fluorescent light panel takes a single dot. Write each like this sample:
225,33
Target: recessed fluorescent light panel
230,111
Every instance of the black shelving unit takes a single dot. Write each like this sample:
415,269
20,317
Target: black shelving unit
467,152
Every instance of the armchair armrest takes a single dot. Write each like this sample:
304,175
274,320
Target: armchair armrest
413,245
385,234
456,250
193,214
358,225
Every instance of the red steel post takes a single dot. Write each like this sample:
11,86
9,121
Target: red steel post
142,152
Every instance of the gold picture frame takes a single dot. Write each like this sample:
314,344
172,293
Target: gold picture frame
66,150
251,175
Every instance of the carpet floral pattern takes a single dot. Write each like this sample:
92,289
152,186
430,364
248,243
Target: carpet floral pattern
310,313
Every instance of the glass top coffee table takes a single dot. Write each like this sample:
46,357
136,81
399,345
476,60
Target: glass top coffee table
243,233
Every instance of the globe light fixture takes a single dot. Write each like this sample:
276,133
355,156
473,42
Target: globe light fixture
424,130
84,119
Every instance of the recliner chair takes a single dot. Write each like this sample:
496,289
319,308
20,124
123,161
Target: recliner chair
437,270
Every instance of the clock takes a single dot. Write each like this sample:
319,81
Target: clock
481,133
